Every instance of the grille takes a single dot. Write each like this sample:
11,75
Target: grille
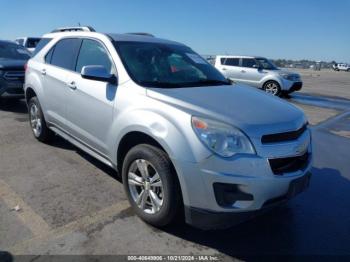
289,164
15,91
281,137
14,75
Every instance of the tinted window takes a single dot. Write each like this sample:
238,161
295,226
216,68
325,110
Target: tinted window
167,65
93,53
248,62
230,61
266,64
42,43
48,56
65,53
32,42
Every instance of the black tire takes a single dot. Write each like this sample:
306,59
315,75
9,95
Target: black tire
272,82
172,200
45,134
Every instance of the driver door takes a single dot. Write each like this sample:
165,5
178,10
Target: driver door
250,73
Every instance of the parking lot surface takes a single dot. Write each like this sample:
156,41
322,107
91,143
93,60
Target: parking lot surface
55,199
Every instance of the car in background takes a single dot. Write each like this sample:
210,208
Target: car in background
13,58
28,42
258,72
341,67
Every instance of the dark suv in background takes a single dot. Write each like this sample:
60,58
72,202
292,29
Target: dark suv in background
13,57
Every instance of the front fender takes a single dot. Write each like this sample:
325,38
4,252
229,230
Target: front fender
175,136
271,78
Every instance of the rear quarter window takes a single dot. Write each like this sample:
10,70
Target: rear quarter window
42,43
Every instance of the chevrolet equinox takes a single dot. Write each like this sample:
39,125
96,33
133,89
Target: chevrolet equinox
185,141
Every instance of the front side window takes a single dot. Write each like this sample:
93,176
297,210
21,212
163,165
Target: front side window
65,53
93,53
266,64
13,51
167,65
249,62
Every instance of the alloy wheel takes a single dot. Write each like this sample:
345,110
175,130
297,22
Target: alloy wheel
271,88
145,186
35,120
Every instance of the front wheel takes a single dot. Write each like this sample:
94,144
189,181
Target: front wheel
272,87
151,185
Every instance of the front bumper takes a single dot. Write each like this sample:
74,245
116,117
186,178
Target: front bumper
208,220
291,86
11,89
296,87
253,183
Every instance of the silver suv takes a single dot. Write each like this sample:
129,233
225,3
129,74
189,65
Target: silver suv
258,72
184,140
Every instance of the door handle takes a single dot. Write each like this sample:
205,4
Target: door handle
242,71
72,85
224,69
43,72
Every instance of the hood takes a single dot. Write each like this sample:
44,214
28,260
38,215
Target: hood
284,71
11,64
249,109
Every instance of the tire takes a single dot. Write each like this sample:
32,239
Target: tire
272,87
37,121
161,206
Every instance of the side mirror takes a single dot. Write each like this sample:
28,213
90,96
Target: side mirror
98,73
256,66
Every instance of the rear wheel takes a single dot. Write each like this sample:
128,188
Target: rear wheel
151,185
37,121
272,87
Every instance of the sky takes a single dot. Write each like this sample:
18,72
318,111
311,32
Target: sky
314,29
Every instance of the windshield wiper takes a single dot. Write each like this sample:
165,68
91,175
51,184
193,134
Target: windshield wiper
160,84
202,82
214,82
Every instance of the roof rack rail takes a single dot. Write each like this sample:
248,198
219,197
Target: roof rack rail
74,29
140,33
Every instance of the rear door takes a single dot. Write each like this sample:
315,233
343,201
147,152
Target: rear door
60,61
230,68
90,103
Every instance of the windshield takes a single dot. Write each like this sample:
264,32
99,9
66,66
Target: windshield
266,64
13,51
167,65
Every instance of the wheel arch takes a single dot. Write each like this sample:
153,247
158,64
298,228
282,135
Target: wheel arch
29,94
131,139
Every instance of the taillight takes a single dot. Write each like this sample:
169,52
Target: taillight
25,66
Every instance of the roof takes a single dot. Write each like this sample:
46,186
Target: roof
140,38
129,37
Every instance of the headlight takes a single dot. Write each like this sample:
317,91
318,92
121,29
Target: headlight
290,77
220,138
